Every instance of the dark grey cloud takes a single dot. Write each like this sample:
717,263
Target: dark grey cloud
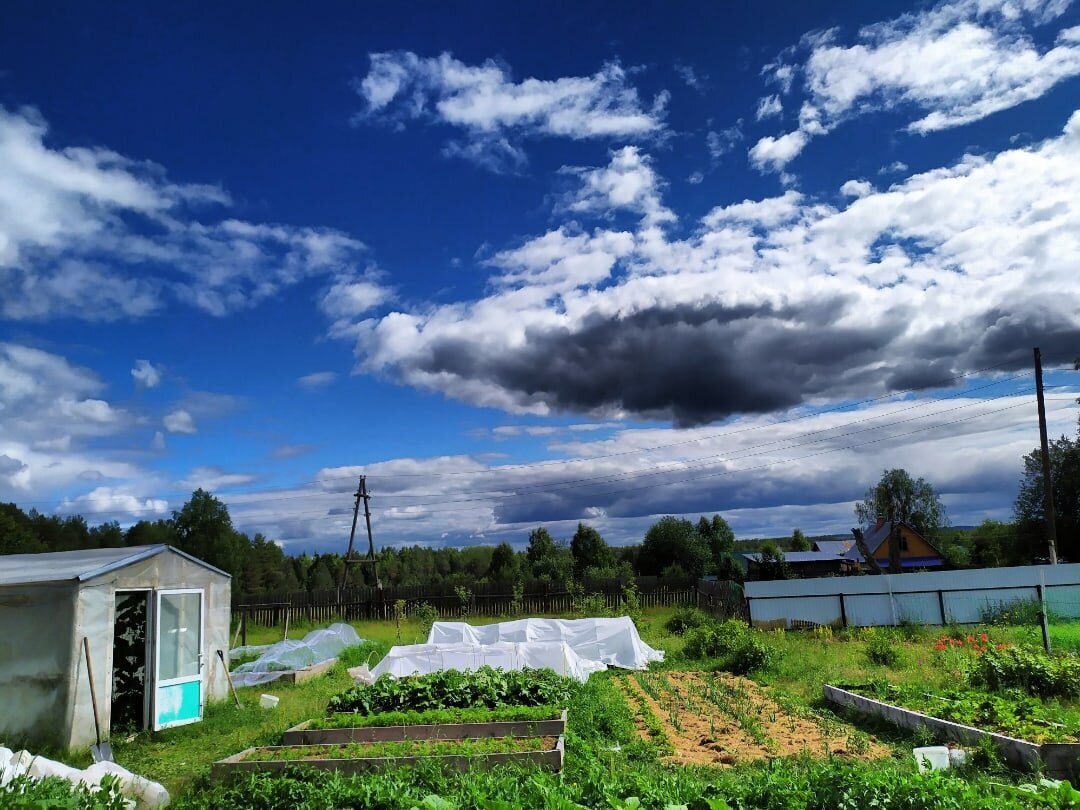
689,364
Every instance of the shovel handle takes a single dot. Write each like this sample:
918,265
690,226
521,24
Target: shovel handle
93,690
228,675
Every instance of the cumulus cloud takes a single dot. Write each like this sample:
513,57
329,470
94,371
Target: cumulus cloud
105,503
89,233
767,303
627,182
952,64
146,374
721,142
857,188
179,421
494,111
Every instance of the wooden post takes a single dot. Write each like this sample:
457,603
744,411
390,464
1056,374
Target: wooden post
288,608
941,607
1042,617
243,626
843,612
1048,484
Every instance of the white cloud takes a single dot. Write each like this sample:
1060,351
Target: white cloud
773,154
88,233
857,188
108,503
158,442
212,478
695,178
769,107
349,297
179,421
317,379
146,374
952,64
55,425
693,79
493,109
627,182
896,167
947,270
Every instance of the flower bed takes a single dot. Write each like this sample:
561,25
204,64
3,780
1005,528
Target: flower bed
546,752
443,724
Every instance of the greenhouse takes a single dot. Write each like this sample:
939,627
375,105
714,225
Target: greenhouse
149,620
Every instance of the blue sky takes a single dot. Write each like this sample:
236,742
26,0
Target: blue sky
554,266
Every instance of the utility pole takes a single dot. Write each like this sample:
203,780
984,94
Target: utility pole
361,495
361,492
1048,484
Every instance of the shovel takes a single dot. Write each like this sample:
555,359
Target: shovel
102,752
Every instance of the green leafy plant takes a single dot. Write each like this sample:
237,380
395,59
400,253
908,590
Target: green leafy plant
1032,670
404,748
739,648
452,689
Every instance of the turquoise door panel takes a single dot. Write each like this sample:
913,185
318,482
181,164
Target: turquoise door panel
178,703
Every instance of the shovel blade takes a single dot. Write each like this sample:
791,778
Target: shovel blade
102,752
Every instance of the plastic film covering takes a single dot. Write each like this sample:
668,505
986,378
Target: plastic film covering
614,642
290,655
420,659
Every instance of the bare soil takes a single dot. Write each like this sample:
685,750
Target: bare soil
722,719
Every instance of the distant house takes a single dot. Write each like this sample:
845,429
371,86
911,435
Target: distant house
916,552
837,547
805,564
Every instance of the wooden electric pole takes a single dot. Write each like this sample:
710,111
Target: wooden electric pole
1048,484
361,495
361,492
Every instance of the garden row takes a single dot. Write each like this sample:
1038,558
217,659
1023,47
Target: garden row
452,719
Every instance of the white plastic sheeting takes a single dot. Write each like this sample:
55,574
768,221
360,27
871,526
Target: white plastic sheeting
420,659
139,790
290,655
614,642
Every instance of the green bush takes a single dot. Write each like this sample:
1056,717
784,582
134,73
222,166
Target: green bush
739,648
881,649
1034,671
686,618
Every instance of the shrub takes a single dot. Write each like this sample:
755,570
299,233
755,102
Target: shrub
881,650
686,618
739,648
1034,671
425,615
55,792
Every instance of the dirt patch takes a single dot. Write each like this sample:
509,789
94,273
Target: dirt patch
717,718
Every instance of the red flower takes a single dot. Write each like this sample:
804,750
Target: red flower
972,638
999,646
983,637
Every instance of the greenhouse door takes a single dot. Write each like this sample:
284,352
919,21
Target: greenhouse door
178,678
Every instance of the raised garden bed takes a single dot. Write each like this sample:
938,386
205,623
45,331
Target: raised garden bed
1061,760
433,725
463,755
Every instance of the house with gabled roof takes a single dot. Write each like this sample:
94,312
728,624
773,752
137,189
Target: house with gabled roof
916,552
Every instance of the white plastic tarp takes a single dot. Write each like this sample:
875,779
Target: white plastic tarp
614,642
420,659
290,655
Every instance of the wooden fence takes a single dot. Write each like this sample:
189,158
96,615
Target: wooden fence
485,599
